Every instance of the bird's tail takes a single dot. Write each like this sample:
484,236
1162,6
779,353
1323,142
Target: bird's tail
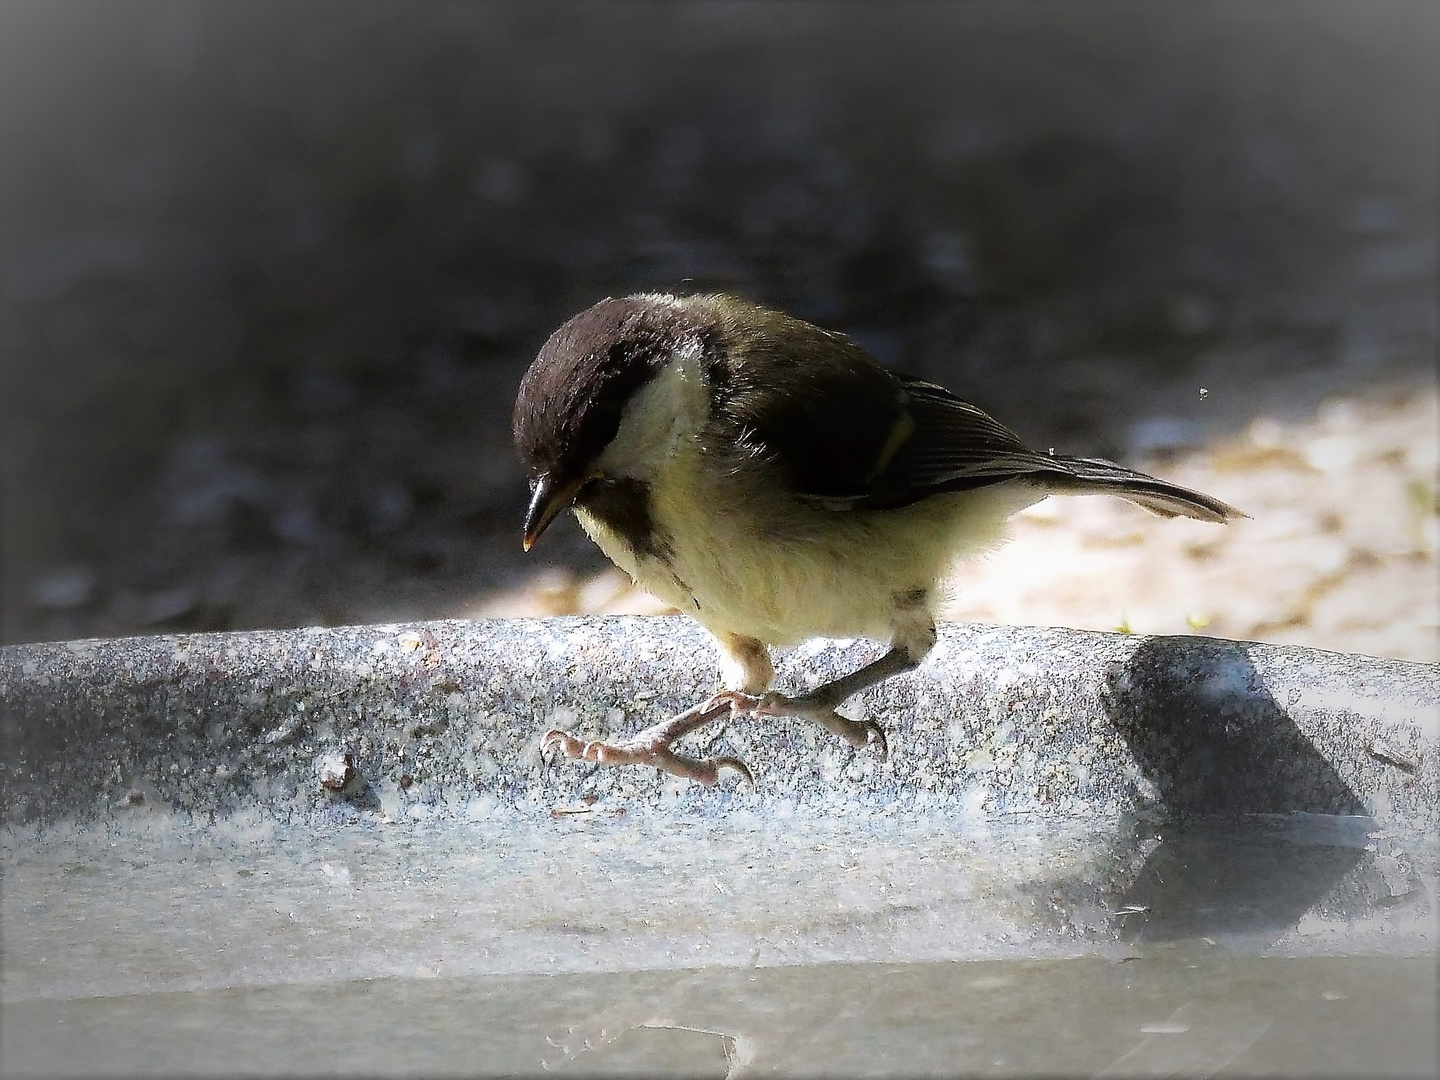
1084,476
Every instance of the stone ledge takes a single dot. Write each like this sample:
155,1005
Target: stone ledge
440,718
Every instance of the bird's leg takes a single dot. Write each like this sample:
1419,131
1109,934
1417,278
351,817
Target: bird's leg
744,662
819,705
652,747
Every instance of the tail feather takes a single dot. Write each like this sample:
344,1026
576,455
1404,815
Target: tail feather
1091,475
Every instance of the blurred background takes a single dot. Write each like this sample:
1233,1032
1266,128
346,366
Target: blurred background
271,272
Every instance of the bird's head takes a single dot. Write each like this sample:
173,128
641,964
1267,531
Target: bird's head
578,395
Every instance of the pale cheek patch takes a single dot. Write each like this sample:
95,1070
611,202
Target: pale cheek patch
659,418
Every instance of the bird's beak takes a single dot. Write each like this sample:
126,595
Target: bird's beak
547,499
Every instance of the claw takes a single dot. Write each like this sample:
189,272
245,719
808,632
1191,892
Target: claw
707,771
875,735
729,762
564,742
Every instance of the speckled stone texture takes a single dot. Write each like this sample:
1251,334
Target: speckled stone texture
446,717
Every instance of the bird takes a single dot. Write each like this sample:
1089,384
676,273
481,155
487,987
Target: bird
775,482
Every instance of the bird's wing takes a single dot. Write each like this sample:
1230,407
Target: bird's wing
847,433
953,445
812,405
956,446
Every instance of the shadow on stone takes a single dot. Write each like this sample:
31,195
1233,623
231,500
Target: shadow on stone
1204,730
1205,880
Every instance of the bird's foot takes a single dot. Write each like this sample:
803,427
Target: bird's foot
650,747
858,733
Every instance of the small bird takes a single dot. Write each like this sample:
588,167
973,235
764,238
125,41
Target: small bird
775,482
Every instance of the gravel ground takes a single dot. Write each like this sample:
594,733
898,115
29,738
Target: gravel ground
1339,552
270,274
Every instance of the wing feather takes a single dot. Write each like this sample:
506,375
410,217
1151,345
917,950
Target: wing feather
847,434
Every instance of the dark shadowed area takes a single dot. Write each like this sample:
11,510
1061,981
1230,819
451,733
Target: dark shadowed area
270,272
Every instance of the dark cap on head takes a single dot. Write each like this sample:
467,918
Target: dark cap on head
571,400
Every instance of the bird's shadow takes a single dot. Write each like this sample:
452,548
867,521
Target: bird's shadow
1220,750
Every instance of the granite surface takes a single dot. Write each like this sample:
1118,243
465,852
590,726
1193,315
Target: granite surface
444,717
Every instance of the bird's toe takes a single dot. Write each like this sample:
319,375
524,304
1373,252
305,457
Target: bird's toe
740,702
562,742
774,704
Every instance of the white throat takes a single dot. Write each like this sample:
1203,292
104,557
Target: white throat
662,417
